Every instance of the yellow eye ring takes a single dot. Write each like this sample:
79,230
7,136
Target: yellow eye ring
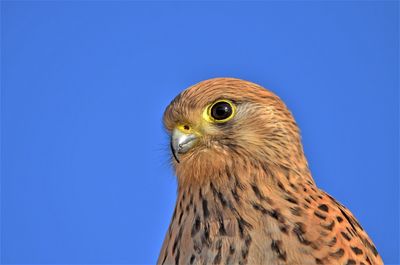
220,111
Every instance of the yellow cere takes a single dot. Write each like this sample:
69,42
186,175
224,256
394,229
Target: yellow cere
207,112
185,128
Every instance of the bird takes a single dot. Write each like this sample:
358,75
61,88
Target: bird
245,192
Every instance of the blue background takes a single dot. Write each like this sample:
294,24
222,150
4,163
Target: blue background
85,176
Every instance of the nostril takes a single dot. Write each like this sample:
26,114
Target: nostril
186,127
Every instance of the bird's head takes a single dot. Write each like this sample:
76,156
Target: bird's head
221,123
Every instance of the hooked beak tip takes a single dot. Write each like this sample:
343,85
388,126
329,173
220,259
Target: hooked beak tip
174,152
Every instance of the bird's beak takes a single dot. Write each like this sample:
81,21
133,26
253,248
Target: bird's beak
181,142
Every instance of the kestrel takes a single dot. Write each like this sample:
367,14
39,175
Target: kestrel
245,192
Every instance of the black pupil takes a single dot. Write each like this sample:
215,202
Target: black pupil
221,111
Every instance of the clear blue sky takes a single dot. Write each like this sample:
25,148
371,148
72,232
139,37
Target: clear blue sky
84,159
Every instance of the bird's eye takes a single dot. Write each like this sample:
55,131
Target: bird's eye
221,111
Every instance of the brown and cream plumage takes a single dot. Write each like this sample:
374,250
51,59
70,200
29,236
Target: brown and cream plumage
245,192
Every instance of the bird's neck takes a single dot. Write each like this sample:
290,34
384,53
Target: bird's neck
232,204
238,187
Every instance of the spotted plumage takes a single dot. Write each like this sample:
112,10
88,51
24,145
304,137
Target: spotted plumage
245,192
